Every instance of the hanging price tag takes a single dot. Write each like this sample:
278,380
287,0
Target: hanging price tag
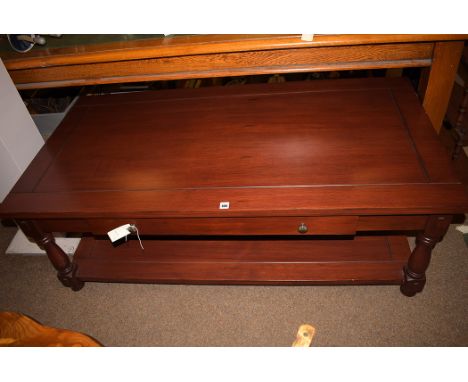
119,232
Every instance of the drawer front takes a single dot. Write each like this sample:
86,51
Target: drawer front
329,225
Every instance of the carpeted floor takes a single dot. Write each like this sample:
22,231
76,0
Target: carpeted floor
187,315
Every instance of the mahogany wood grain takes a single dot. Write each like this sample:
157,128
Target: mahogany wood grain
432,155
293,149
337,225
330,225
391,223
245,202
121,101
364,260
441,78
247,141
64,225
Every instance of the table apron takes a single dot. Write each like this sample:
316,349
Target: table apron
316,225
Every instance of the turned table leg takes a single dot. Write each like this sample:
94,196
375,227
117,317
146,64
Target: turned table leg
415,270
65,268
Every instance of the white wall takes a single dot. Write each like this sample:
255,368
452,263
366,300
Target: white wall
19,138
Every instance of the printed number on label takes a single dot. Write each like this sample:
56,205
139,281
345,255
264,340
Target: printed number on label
224,205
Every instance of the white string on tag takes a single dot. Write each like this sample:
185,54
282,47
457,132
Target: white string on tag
134,229
123,231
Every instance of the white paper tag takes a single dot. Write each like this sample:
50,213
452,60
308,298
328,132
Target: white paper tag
119,232
223,205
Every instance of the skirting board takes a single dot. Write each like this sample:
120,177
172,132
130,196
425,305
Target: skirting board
21,245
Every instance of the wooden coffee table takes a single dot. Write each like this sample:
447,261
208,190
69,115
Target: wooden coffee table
323,180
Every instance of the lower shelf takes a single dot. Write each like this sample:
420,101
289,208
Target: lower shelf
362,260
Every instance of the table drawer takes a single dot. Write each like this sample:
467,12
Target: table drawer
329,225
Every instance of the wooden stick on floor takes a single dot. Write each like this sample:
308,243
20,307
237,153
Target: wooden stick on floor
304,336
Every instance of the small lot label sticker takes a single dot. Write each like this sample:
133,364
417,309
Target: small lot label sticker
223,205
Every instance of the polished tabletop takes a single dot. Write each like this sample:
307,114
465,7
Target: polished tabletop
360,145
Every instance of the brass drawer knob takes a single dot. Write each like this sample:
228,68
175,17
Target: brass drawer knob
302,228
